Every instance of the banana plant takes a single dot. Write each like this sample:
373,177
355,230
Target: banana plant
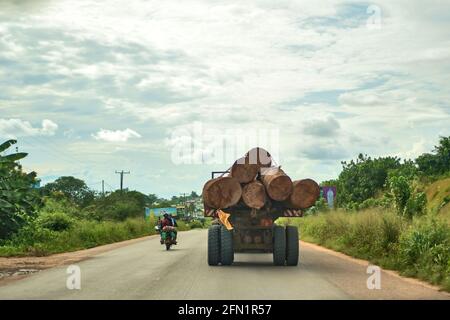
11,157
18,201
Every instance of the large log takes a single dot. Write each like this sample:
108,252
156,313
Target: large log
254,195
222,192
246,168
278,184
243,171
304,195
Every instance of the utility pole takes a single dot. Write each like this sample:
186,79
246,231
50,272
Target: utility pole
121,178
103,188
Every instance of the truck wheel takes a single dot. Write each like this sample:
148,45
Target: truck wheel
292,246
279,246
226,246
214,245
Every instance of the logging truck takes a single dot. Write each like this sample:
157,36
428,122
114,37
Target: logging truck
252,199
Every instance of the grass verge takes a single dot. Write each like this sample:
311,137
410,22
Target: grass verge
34,240
418,248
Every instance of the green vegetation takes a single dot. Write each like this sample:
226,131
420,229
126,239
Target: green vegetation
436,163
38,240
18,201
66,215
438,198
367,182
394,213
418,247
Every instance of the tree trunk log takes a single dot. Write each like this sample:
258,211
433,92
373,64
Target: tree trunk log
254,195
222,192
246,168
305,194
243,171
278,184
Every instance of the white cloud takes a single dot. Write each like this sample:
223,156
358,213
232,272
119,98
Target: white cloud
13,128
322,127
116,136
157,65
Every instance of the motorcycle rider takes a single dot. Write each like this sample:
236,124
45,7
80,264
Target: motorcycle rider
174,222
168,221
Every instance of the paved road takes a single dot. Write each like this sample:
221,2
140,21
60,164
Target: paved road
144,270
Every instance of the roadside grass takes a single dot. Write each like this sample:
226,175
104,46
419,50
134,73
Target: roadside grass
438,197
418,248
34,240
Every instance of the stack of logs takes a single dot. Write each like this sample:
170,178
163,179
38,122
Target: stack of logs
257,183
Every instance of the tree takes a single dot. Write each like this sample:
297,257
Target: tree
152,198
19,202
73,188
443,152
194,195
118,205
363,178
437,162
427,163
407,202
401,192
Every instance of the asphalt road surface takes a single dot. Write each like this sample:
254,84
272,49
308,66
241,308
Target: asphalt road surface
145,270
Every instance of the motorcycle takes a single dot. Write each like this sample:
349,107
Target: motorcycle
168,236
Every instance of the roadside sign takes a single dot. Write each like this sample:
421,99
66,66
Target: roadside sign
158,212
147,212
329,193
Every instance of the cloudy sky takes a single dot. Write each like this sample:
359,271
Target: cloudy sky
90,87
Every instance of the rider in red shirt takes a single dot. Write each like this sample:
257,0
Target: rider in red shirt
168,221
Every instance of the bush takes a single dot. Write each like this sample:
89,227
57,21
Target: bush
321,205
119,205
400,191
196,224
121,211
55,221
426,242
384,202
416,205
406,201
59,203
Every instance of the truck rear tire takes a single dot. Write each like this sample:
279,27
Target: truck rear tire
292,246
226,246
214,245
279,246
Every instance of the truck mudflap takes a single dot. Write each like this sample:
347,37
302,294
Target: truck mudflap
293,213
210,212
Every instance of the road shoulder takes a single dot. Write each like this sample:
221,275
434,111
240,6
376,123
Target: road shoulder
16,268
365,263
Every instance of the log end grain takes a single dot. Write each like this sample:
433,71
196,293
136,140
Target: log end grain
244,171
280,188
254,195
278,185
305,194
222,192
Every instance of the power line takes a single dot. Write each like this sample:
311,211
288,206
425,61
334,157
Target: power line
109,186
